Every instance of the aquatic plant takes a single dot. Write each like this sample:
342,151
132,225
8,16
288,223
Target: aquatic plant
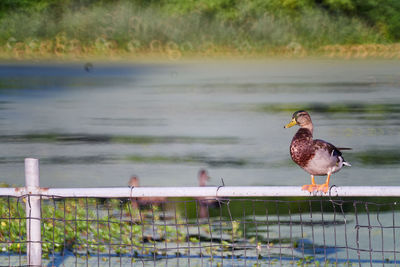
78,225
345,107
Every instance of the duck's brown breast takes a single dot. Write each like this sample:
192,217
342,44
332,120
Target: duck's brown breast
301,149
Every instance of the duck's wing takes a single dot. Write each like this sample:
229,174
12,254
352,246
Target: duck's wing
333,151
325,146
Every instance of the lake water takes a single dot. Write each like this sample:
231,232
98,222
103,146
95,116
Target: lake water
163,122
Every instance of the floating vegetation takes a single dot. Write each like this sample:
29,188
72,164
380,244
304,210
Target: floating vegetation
82,226
172,139
160,159
376,157
350,107
76,160
189,159
88,138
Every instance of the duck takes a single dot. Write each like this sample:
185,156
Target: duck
203,177
315,156
205,202
143,201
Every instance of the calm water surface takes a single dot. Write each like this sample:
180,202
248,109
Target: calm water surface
163,122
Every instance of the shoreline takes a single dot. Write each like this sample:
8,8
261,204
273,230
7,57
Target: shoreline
52,52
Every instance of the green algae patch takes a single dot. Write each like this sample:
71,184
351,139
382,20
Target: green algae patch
188,159
172,139
93,138
318,107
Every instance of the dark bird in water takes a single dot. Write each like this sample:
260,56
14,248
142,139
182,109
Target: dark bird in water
317,157
88,67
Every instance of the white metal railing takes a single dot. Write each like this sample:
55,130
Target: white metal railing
34,193
208,191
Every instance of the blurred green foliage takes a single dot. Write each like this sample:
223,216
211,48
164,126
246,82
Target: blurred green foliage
382,14
190,25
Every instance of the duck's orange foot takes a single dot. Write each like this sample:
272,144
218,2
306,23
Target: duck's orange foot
323,188
309,187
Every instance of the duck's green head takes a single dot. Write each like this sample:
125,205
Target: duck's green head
301,117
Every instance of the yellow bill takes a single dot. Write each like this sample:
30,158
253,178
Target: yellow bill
291,123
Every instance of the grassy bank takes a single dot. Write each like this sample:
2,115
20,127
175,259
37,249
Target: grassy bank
179,29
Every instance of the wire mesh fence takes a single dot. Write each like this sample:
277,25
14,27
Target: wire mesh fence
294,231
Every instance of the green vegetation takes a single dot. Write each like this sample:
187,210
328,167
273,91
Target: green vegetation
229,161
387,109
377,157
125,228
116,139
172,29
82,226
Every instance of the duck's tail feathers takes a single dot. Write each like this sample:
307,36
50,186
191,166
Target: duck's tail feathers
346,163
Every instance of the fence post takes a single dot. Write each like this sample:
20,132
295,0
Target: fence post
33,210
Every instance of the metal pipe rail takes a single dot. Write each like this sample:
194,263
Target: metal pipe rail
207,191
